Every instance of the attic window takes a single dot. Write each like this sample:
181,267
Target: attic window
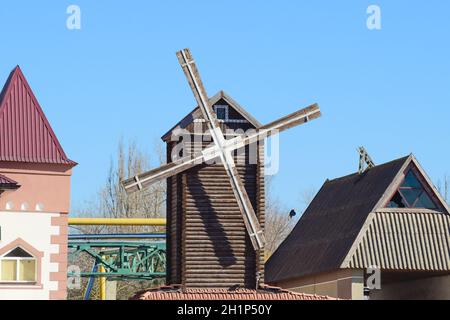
411,194
221,112
18,266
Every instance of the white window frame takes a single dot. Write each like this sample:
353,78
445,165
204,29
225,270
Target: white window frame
18,259
225,107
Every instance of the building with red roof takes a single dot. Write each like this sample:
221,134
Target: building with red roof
263,293
34,197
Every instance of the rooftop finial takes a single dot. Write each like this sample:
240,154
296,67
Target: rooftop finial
365,161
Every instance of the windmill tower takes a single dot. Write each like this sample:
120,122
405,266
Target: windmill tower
215,189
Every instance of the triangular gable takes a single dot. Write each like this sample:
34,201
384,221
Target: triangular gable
413,166
196,113
373,241
412,193
19,242
25,133
18,252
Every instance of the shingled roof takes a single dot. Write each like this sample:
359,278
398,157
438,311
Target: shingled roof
25,133
264,293
326,231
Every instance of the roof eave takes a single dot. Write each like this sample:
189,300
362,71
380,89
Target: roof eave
8,186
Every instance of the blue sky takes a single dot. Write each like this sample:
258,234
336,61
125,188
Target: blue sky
118,77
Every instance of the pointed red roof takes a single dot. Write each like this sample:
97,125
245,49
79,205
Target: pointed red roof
25,133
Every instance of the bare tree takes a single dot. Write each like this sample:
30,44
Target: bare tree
444,187
111,201
279,223
306,196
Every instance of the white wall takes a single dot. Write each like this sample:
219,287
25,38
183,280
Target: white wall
35,228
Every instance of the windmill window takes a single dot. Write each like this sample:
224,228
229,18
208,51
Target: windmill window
18,266
411,194
221,112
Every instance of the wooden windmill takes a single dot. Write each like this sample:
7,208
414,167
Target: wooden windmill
215,212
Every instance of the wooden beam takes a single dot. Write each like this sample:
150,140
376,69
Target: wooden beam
145,179
165,171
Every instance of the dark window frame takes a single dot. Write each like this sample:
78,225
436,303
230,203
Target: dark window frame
423,190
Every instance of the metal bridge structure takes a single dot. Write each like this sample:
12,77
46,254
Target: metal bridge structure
124,256
121,260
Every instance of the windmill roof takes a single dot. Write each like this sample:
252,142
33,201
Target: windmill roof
25,133
327,230
195,113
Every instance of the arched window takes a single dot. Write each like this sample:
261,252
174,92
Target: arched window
411,194
18,266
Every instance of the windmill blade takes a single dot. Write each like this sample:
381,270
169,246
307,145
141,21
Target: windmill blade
292,120
145,179
222,149
195,82
250,220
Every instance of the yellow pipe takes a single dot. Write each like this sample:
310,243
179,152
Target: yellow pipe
102,282
117,221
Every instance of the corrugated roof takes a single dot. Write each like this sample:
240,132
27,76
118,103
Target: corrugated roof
7,183
25,133
265,293
404,239
195,113
326,231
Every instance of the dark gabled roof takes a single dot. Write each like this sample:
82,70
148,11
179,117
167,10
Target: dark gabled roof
7,183
25,133
195,113
326,231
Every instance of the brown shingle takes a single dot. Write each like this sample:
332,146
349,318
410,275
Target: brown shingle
325,233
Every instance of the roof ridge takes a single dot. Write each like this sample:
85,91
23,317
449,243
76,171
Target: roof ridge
6,88
362,174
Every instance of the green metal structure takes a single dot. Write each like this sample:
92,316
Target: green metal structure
122,260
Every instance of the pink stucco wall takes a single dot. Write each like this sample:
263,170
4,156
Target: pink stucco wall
46,184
